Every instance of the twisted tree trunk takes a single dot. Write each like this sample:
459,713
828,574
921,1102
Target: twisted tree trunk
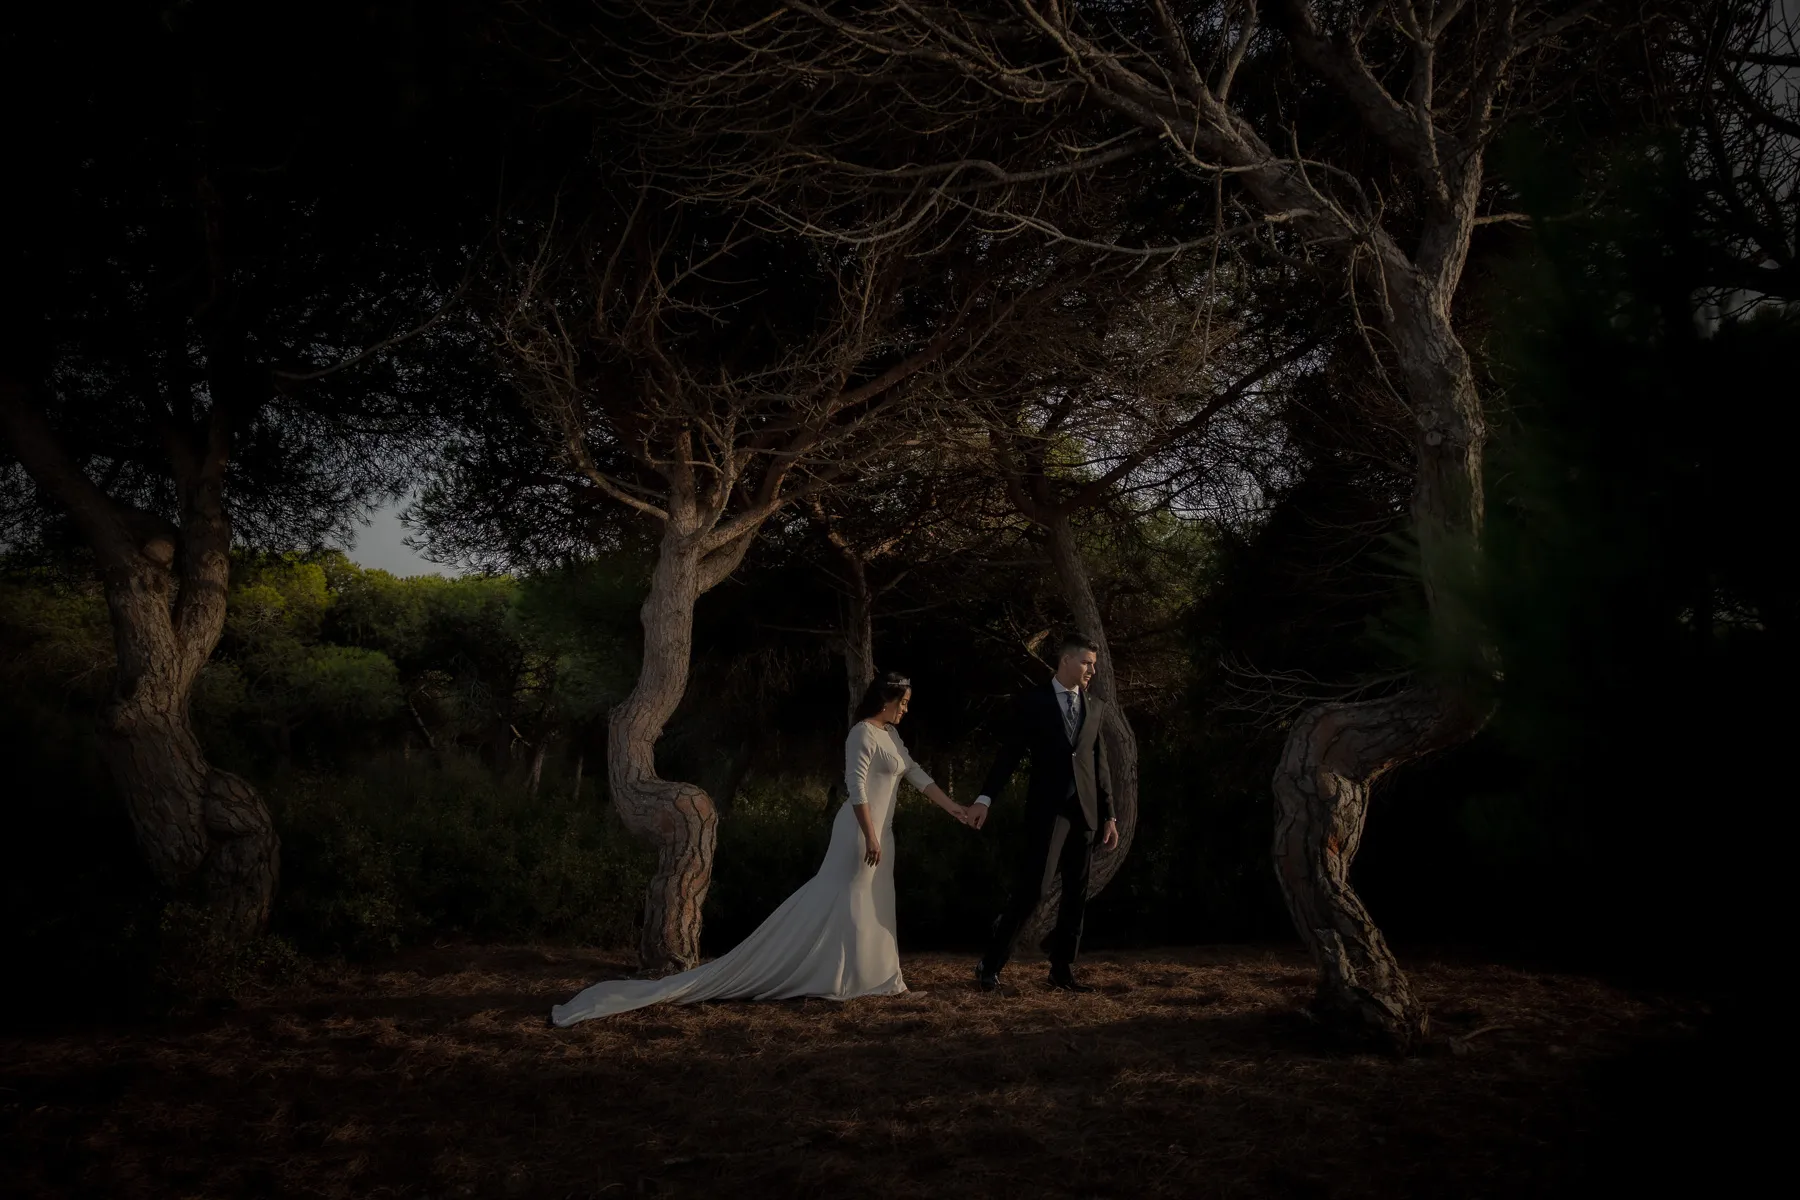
678,818
1119,741
1333,756
194,824
1335,752
197,827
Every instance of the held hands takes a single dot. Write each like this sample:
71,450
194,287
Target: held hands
975,816
969,814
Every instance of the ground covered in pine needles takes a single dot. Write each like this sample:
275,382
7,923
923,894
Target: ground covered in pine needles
1189,1073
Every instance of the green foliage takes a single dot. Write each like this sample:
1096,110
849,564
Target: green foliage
588,613
274,670
52,629
308,695
410,849
192,965
770,841
321,658
346,683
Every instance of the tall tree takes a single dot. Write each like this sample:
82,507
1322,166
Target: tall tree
814,148
196,353
1132,394
1351,137
704,375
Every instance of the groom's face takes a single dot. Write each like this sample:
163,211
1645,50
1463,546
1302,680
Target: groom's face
1076,668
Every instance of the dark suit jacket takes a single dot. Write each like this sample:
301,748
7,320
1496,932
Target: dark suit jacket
1036,728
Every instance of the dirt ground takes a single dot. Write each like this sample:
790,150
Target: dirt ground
1190,1073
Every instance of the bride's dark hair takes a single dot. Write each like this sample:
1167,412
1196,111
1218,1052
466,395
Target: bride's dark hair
887,687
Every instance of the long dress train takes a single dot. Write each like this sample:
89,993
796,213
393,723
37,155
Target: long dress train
835,937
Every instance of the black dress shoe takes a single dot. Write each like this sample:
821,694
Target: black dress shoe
1063,980
986,980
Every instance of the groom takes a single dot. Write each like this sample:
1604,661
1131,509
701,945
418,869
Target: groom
1066,806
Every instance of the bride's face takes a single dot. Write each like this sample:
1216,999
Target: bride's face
897,708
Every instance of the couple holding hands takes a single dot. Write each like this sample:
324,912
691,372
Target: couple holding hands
836,936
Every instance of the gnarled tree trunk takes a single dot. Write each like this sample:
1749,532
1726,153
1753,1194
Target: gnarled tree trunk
1335,752
1119,740
196,826
1333,756
194,823
678,818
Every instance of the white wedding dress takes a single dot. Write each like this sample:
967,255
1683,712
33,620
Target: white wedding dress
832,938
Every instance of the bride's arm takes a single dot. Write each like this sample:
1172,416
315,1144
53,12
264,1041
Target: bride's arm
936,795
915,775
857,753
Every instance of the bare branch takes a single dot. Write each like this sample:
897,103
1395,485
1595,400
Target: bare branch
104,524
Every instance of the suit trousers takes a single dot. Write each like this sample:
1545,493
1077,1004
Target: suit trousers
1057,847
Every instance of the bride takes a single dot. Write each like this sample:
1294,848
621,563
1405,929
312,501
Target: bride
835,936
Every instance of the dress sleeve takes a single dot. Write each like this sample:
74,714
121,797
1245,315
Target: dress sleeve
859,751
915,774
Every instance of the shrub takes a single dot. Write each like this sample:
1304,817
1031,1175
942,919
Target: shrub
407,849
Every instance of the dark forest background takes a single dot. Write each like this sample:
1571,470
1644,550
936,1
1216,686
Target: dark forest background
432,750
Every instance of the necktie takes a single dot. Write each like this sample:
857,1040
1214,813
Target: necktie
1071,719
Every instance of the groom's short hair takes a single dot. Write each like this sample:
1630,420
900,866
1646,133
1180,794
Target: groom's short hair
1075,643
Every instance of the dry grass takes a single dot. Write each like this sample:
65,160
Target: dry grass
1190,1073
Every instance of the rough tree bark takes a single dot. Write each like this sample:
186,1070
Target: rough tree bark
711,438
1334,753
198,828
679,818
1332,758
